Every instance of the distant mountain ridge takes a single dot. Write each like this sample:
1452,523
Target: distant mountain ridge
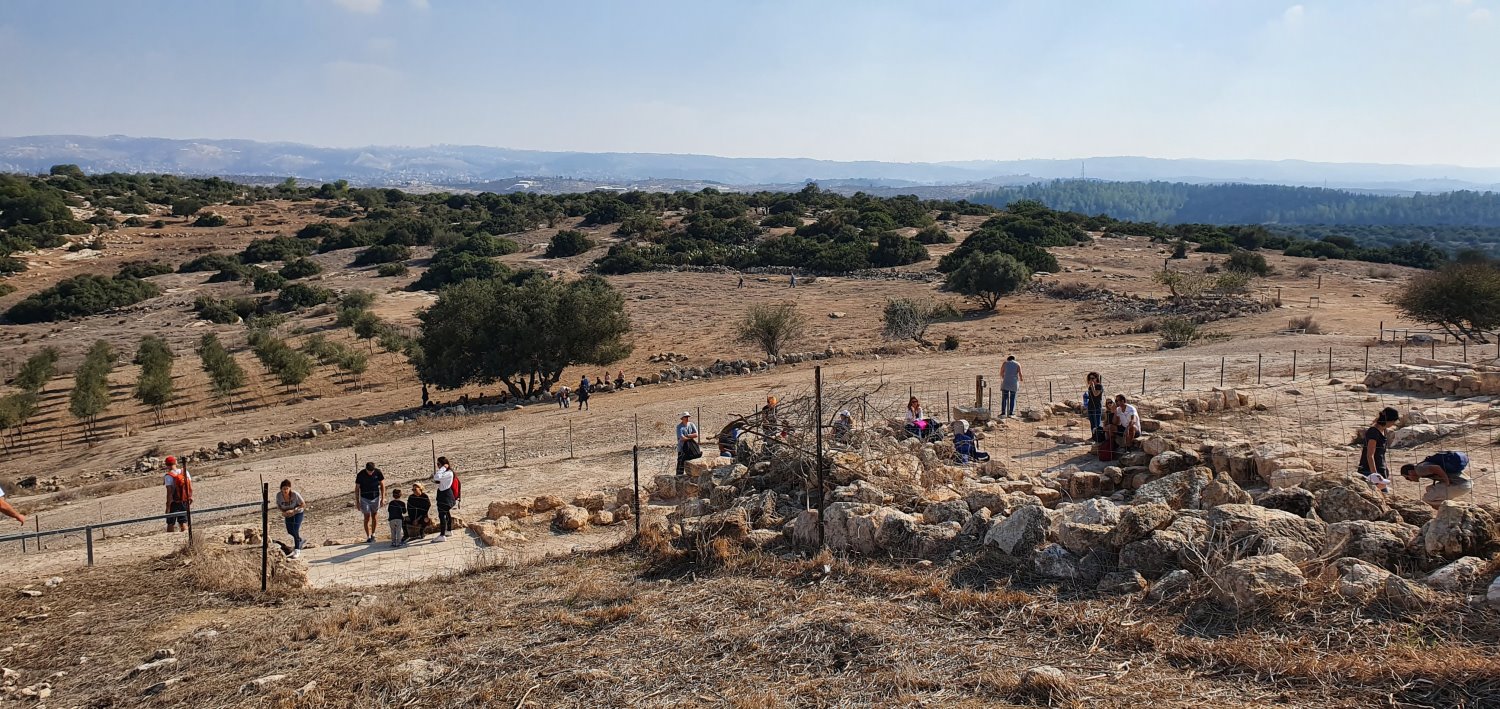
460,164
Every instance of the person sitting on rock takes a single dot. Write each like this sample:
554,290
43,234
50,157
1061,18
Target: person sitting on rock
917,423
729,437
966,444
1446,470
1128,419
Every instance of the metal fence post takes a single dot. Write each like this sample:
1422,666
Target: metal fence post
1184,375
88,540
1143,381
818,427
635,468
1221,371
1367,359
1294,365
570,438
504,451
265,534
1258,357
1330,362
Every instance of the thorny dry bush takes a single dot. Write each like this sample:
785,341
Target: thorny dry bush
629,627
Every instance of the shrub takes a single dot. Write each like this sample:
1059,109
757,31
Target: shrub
568,242
892,249
987,277
296,296
1306,324
134,222
266,281
224,374
318,231
622,259
143,269
933,235
950,342
1180,250
158,224
280,248
392,269
448,267
383,253
782,219
909,318
210,220
357,300
1307,269
300,268
37,370
1032,256
81,296
226,311
1463,299
1250,262
770,326
90,395
484,245
1232,283
1381,273
210,262
230,274
1176,332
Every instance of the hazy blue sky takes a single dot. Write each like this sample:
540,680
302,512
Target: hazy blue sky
1412,81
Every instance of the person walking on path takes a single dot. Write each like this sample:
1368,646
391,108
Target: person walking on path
8,511
292,507
1010,383
1093,401
1446,470
687,442
395,517
583,393
417,507
1372,463
369,495
179,485
442,478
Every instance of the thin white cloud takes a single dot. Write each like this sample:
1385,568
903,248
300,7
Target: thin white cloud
368,7
360,74
1293,15
1480,16
420,4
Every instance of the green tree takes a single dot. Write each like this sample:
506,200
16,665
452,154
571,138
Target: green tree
909,318
987,277
892,249
90,395
154,386
1249,262
1463,299
523,335
225,375
37,370
770,326
15,410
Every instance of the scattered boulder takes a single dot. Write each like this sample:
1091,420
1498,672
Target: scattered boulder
1054,561
731,524
1154,555
601,518
1459,529
1095,510
591,501
1122,582
1173,583
1412,511
1222,490
1082,537
1020,533
1178,490
1380,543
1366,582
1460,576
1138,521
1249,525
514,508
1345,503
1296,500
497,531
946,511
571,518
1249,583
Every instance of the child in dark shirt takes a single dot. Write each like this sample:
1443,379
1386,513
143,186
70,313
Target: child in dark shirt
396,515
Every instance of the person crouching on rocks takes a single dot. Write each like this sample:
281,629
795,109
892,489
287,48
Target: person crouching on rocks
1446,471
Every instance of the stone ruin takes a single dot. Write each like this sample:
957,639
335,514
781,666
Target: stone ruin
1245,522
1438,378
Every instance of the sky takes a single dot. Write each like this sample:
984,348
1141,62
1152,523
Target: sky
1394,81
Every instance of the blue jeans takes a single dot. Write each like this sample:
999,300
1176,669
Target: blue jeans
294,528
1096,420
1007,402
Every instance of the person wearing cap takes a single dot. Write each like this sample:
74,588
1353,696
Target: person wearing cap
179,484
8,511
843,427
687,432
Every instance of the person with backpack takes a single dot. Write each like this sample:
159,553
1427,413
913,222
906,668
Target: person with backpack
447,496
417,507
687,443
583,393
369,495
1446,471
179,485
290,503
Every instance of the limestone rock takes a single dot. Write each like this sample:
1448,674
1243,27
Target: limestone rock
722,497
860,491
547,503
1249,583
1248,525
1178,490
705,465
1092,511
591,501
1168,463
494,532
1365,582
1380,543
1412,511
731,524
1459,529
1460,576
948,511
1222,490
601,518
1140,520
1154,555
1295,500
571,518
1345,503
1082,537
1292,549
1290,477
933,541
1053,561
514,508
1122,582
1173,583
1021,532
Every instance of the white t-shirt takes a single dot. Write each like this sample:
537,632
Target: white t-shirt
444,478
1128,417
2,492
913,416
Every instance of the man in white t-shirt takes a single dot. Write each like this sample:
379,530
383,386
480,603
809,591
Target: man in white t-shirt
1128,419
8,511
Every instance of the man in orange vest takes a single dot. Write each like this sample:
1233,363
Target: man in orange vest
179,484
